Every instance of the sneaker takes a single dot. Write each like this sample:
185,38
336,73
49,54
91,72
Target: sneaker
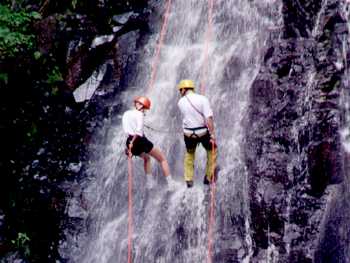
189,184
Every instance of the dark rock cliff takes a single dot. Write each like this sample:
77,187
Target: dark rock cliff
293,145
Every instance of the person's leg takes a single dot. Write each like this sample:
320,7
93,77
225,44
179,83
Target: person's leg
211,157
146,163
189,164
211,162
159,156
191,144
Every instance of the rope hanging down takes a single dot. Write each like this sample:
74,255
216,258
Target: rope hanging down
159,46
212,209
130,216
213,179
130,168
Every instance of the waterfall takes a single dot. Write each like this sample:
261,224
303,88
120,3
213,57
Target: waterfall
171,223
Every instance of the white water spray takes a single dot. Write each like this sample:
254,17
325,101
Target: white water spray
171,224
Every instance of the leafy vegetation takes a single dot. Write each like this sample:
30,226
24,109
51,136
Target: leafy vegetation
4,77
54,76
15,35
22,243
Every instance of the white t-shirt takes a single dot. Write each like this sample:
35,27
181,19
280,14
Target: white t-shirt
133,122
191,117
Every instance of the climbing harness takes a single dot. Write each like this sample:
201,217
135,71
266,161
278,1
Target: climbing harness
196,133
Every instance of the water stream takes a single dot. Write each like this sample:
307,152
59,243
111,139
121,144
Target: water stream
171,222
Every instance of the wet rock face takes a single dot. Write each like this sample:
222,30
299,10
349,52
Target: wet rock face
299,17
335,236
293,148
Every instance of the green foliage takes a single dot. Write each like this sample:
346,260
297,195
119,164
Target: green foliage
3,77
54,76
33,131
15,33
74,3
37,55
54,91
22,243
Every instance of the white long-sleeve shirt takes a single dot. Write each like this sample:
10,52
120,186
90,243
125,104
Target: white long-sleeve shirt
133,122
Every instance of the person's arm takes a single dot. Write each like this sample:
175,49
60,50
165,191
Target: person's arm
132,140
131,144
208,113
210,125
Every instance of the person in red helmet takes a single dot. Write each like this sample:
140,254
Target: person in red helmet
137,144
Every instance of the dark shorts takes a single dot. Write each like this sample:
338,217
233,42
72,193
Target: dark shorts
140,145
192,142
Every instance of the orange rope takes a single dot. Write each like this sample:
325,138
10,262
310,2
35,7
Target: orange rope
212,208
213,179
160,44
130,217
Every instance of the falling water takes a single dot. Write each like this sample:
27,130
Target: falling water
171,221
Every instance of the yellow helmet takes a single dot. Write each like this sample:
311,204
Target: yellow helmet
186,83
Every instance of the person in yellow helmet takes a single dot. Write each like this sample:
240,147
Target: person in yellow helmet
198,127
137,144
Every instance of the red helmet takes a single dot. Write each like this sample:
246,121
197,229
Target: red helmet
146,103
